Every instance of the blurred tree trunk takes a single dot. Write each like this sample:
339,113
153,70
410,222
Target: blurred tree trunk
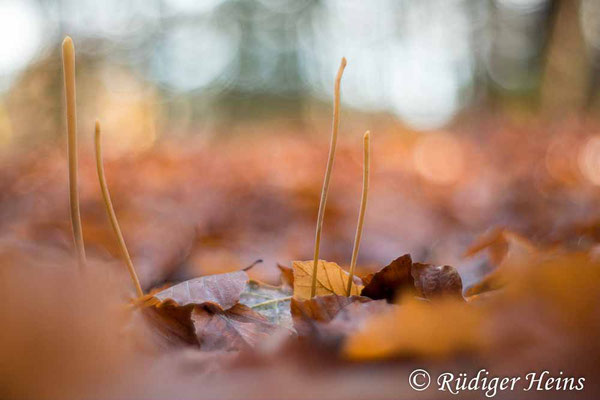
565,76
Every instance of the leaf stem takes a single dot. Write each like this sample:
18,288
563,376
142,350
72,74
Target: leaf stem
111,212
329,168
68,55
266,303
363,207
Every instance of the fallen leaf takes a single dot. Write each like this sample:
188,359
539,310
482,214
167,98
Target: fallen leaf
287,275
238,328
171,324
273,302
331,279
418,328
494,241
322,308
367,278
501,244
206,311
504,247
313,318
402,277
434,281
223,290
352,317
391,279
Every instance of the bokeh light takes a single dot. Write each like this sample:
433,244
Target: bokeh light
439,158
21,30
589,160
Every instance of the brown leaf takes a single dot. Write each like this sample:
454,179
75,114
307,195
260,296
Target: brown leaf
324,318
505,247
367,278
402,276
171,324
434,281
287,275
331,279
223,290
352,317
322,308
393,278
501,244
418,328
170,311
238,328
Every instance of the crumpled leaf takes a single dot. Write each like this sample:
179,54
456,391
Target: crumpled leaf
402,277
223,290
434,281
237,328
391,279
418,328
206,312
273,302
331,279
504,247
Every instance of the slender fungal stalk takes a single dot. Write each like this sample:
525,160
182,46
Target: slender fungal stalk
325,190
111,212
68,53
363,207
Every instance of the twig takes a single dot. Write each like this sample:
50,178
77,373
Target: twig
266,303
252,265
111,212
68,53
363,207
325,189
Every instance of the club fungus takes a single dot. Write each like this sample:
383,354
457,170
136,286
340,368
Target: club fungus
111,212
68,53
363,207
329,168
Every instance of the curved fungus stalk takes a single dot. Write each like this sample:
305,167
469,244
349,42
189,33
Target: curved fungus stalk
68,56
329,168
363,207
111,212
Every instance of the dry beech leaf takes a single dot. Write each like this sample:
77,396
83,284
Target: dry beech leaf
502,244
418,328
367,278
206,311
237,328
287,275
223,290
433,281
390,280
331,279
505,247
402,277
171,324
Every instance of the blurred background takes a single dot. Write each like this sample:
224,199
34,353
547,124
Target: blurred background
181,66
216,118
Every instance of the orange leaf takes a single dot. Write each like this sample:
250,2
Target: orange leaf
331,279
